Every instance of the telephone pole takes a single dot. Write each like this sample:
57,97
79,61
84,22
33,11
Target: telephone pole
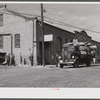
42,31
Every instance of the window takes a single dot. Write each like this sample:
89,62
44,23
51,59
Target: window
17,40
1,20
1,42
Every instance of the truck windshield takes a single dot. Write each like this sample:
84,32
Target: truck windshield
82,48
71,49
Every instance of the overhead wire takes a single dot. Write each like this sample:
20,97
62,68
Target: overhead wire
71,10
69,25
60,23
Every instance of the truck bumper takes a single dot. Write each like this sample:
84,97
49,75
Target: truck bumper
67,63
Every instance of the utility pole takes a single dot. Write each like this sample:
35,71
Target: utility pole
42,31
11,47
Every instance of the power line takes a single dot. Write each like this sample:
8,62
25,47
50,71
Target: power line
69,10
69,25
57,22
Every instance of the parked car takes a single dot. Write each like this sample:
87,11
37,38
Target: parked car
2,57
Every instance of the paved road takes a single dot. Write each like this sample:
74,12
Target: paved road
50,76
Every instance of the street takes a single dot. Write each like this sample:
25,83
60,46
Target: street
49,76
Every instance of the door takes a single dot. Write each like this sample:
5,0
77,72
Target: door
47,52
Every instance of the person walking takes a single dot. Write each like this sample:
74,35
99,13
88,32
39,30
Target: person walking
13,59
57,60
52,60
21,59
31,59
8,59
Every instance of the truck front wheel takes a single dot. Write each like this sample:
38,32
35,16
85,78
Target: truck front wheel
61,65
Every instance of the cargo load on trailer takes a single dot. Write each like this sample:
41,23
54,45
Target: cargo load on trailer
77,53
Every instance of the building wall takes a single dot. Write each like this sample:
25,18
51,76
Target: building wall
14,24
60,37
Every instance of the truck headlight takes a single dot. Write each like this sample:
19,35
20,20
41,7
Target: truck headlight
61,61
73,57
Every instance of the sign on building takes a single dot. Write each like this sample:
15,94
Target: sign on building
48,37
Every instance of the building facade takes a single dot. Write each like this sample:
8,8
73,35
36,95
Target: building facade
54,38
19,42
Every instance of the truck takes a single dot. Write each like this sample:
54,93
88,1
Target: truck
77,53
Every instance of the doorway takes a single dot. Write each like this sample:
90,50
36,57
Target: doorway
47,52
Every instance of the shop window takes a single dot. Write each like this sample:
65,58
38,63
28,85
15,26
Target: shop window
17,40
1,20
1,42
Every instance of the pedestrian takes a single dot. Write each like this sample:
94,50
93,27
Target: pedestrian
13,59
31,59
24,61
8,59
21,59
94,60
52,60
93,55
57,61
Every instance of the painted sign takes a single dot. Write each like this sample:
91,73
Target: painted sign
48,37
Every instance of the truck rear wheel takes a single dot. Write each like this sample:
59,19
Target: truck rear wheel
88,63
61,65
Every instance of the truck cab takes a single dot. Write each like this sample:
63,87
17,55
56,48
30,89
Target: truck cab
76,54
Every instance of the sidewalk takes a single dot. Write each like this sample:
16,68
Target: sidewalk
34,66
41,66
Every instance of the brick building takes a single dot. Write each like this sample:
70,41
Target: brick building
21,29
21,34
54,44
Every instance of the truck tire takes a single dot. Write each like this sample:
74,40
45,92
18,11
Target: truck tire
76,64
61,65
88,63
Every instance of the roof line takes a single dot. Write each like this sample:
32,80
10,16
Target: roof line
18,14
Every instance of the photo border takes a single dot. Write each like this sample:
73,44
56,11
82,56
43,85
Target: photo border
53,94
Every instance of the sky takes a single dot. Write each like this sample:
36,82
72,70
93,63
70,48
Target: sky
85,16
